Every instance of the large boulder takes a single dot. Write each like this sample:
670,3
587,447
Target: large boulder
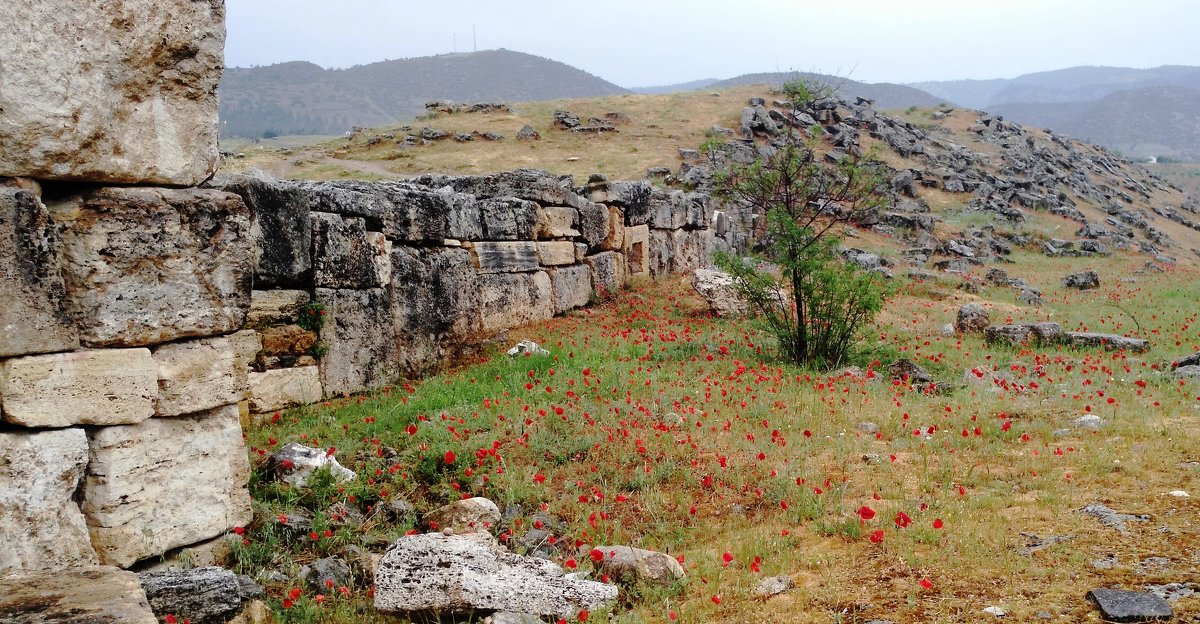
972,318
121,93
103,387
448,574
150,265
80,595
165,483
469,515
207,595
629,565
719,291
34,317
1025,333
41,525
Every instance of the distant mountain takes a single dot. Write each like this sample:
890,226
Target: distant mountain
1075,84
675,88
886,95
303,98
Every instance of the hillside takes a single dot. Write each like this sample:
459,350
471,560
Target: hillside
1075,84
886,95
676,88
303,98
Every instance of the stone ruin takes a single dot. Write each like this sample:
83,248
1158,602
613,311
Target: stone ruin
149,307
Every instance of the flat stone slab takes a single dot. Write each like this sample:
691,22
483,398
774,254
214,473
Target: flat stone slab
99,594
1110,342
104,387
1119,605
507,257
284,387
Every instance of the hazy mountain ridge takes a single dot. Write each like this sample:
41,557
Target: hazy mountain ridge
303,98
691,85
886,95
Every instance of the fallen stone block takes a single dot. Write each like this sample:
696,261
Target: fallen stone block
206,595
103,387
1130,606
75,595
1110,342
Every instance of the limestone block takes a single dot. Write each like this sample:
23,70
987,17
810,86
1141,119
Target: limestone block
381,257
593,222
571,287
536,185
342,255
698,210
608,272
287,340
693,249
468,515
77,595
637,250
634,198
207,595
41,527
146,265
361,340
668,212
272,307
34,317
109,387
556,253
435,304
614,240
165,483
199,375
284,387
281,229
513,299
629,565
505,257
507,218
111,92
557,222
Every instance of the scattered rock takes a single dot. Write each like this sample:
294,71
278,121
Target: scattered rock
907,370
1107,562
527,133
972,318
868,427
1130,606
947,331
718,289
1179,494
295,463
1034,543
209,595
324,574
527,347
1174,591
995,611
1110,342
1087,280
772,586
1112,519
464,573
1088,421
631,565
469,515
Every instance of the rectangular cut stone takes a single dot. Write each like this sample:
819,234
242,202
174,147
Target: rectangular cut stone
608,272
509,219
275,307
435,304
112,92
201,374
280,228
669,212
146,265
571,287
698,210
343,256
41,526
637,250
284,387
614,240
556,253
165,483
505,257
513,299
108,387
33,317
557,222
79,595
360,339
593,222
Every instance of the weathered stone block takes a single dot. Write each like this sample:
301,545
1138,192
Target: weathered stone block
41,527
557,222
505,257
668,212
145,265
608,272
436,303
360,337
510,219
284,387
34,317
614,240
634,198
513,299
165,483
287,340
281,229
637,250
698,210
272,307
200,375
593,222
571,287
381,257
556,253
111,92
78,595
678,251
109,387
528,184
343,257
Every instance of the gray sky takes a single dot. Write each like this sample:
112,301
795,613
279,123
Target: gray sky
652,42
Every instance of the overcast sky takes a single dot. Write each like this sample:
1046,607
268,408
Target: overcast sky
652,42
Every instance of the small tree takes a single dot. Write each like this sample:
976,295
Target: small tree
815,304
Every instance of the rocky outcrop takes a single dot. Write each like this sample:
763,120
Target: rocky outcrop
111,92
41,526
471,573
78,595
165,483
144,266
